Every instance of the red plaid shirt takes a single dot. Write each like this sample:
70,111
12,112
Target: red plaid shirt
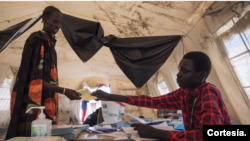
209,109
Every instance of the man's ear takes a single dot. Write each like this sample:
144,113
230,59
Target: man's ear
203,75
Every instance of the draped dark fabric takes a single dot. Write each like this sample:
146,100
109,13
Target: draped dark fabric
82,35
6,34
13,31
138,57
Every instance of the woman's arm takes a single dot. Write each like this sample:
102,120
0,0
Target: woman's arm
71,94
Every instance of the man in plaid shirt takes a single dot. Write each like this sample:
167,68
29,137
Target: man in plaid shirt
201,102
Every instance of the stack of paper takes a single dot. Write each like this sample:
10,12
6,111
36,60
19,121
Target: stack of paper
102,129
130,133
69,132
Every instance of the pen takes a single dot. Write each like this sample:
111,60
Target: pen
98,87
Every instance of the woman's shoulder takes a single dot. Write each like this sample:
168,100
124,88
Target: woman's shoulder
34,37
35,34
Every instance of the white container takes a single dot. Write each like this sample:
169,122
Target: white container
111,111
40,127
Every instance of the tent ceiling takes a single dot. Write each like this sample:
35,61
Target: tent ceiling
123,19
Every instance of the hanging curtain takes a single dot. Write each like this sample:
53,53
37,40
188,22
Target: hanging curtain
6,34
10,34
138,57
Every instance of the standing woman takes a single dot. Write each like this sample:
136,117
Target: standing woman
37,79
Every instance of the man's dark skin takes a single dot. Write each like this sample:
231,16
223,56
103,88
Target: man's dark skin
187,77
52,24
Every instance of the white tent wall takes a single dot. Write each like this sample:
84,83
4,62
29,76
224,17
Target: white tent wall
5,72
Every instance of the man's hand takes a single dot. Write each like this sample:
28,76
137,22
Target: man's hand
146,131
101,95
72,94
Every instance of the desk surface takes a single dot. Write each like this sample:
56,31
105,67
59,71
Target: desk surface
86,136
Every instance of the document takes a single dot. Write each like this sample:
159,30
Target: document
102,129
86,94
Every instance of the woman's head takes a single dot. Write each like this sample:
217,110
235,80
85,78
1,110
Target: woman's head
52,18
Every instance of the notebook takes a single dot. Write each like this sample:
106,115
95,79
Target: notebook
68,132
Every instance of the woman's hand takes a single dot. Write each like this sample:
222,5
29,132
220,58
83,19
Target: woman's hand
101,95
72,94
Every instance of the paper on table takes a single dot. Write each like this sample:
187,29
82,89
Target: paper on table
122,135
111,122
105,127
163,127
128,131
164,124
86,94
140,120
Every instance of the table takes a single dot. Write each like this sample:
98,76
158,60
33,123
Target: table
86,136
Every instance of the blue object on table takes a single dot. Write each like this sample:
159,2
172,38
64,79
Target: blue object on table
69,133
180,127
175,123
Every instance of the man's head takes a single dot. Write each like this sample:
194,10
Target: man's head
194,68
52,18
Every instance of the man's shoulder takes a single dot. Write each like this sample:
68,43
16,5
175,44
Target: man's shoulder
210,88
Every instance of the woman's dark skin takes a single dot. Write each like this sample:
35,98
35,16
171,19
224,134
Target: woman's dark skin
52,24
187,77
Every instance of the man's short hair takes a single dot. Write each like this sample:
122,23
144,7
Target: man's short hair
200,61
